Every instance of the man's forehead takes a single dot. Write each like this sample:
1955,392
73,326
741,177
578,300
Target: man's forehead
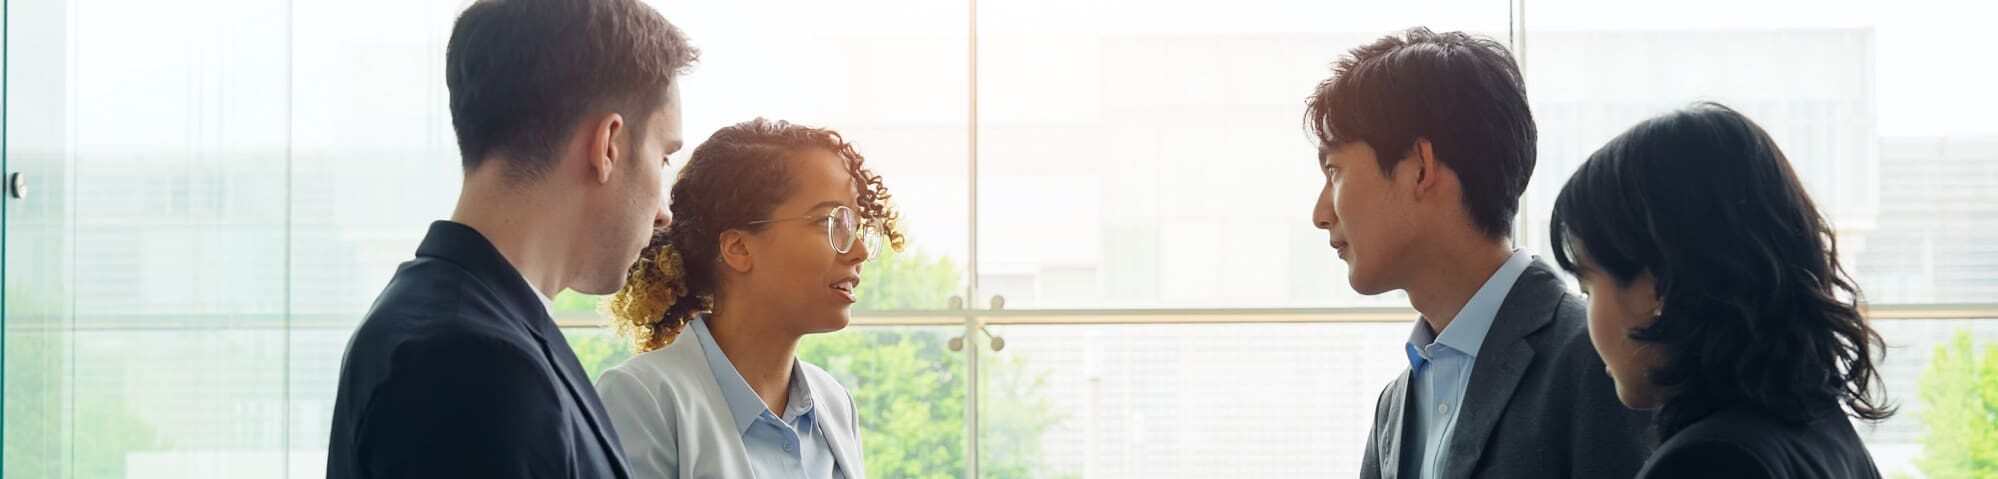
1331,153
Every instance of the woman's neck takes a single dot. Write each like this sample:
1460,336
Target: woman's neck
762,353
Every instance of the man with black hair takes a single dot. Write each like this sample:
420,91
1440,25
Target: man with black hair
1426,143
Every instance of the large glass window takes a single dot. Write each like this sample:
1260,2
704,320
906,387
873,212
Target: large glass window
1111,273
1137,157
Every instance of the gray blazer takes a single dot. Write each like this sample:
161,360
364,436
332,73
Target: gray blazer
675,424
1539,404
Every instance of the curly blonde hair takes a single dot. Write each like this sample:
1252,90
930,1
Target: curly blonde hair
735,178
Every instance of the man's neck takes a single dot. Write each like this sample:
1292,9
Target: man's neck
1450,277
520,224
761,353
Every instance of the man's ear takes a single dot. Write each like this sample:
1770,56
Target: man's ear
1427,169
605,154
735,251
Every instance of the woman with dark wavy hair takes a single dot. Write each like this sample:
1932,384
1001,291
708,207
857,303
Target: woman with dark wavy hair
772,224
1716,297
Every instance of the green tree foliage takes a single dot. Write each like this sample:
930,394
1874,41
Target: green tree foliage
907,281
99,431
1960,391
908,392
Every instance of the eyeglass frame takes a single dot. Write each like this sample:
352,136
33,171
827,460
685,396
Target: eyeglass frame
862,230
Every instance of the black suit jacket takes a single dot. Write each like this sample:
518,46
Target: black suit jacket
1539,404
458,371
1741,442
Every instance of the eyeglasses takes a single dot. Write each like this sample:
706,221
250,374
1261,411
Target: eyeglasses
843,227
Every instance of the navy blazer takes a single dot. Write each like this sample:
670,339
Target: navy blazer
458,371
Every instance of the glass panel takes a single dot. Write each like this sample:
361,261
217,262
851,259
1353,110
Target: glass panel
374,162
37,247
1129,156
314,378
181,138
1183,400
889,75
179,402
1904,161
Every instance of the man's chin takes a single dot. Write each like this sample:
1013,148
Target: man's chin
1365,287
609,285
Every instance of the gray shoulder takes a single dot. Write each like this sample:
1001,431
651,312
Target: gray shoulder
1567,336
824,381
1388,401
664,369
828,387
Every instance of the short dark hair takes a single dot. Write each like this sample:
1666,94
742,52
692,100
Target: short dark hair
1756,310
521,73
1461,92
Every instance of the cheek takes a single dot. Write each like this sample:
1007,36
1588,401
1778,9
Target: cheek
1344,203
1609,330
1600,326
653,179
802,259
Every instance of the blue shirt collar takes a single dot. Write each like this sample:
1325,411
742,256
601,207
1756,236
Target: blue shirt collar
1467,331
743,403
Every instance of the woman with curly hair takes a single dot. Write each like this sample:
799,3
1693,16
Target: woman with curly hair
1716,297
772,224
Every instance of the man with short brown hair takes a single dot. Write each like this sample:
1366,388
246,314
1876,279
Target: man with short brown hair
565,112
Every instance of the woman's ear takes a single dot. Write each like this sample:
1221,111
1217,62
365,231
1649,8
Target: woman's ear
735,251
1642,299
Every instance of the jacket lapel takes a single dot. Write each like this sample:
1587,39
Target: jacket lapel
1397,419
558,353
466,247
705,418
845,454
1506,356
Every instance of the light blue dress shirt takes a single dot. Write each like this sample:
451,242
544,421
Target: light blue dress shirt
790,447
1440,368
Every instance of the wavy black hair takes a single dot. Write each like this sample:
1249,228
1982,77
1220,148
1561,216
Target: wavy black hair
1756,310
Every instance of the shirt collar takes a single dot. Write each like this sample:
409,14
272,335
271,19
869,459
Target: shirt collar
466,247
1466,332
547,304
743,403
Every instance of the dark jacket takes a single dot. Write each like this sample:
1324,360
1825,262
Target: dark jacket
458,371
1741,442
1539,404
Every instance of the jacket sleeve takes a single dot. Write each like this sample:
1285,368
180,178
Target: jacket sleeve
464,407
646,426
